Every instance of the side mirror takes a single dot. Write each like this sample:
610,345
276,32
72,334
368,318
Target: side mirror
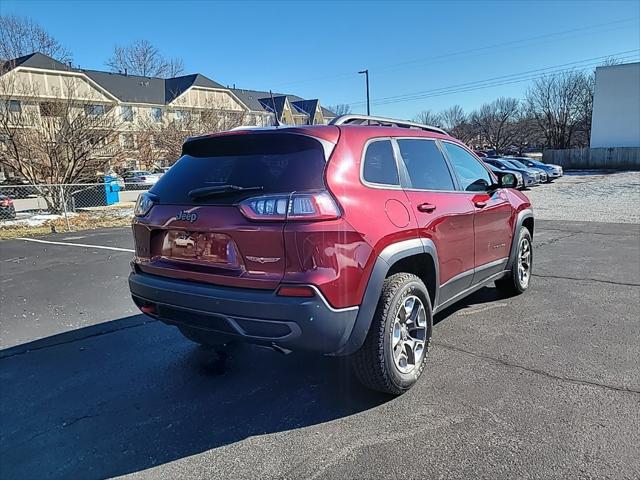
507,180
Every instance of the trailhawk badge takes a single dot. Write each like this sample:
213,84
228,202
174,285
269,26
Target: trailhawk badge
263,259
187,216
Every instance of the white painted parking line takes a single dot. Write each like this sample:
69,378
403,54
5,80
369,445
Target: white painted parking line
101,247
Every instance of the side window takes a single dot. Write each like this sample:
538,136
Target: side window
425,164
380,164
473,176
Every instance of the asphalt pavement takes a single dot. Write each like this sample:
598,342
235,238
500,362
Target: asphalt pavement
543,385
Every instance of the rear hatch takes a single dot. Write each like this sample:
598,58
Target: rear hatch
202,226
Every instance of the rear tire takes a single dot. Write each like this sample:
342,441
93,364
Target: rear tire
518,279
394,353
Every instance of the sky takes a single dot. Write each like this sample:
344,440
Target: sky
420,55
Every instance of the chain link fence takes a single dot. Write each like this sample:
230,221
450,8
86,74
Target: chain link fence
67,207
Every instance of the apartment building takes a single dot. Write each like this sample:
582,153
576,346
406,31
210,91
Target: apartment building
196,102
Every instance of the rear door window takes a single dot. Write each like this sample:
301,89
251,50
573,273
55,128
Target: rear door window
425,165
380,164
274,163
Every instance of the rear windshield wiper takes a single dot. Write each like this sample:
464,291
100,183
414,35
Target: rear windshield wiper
213,191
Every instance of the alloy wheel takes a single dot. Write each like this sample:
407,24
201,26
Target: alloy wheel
524,262
408,334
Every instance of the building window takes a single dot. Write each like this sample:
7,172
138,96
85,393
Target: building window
182,116
51,109
14,106
156,114
126,140
94,110
127,113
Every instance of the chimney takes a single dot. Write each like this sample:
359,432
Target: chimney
125,72
69,63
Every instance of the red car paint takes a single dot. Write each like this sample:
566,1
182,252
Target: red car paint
469,229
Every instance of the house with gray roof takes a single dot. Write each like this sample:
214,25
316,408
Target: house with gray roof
142,101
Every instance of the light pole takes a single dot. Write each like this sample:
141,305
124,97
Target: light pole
366,74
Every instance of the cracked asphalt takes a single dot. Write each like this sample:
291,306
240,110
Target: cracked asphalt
543,385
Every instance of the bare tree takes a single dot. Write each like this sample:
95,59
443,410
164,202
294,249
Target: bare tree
526,132
21,36
340,109
453,117
456,123
142,58
561,105
161,142
428,117
495,121
60,141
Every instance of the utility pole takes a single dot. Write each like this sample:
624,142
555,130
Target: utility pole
366,74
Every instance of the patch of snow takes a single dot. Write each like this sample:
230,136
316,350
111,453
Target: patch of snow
29,220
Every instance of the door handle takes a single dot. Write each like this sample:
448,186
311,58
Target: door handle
426,207
480,204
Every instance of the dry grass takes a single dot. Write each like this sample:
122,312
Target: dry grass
82,221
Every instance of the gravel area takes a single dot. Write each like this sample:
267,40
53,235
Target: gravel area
589,195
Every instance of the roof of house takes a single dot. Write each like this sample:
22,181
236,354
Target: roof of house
174,87
35,60
130,88
307,107
251,98
153,90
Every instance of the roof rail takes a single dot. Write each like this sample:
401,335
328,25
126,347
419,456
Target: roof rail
354,119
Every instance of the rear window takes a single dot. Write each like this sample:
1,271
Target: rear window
278,163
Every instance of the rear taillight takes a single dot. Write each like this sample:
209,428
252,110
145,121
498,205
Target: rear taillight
6,202
313,206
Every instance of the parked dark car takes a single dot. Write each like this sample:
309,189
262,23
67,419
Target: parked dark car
7,208
553,171
18,188
341,239
499,171
529,178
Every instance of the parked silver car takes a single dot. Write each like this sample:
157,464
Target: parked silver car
553,171
135,179
543,177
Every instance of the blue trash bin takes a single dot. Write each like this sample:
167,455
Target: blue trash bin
112,189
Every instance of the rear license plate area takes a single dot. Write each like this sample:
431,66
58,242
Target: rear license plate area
200,247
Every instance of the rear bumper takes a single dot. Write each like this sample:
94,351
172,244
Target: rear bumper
253,316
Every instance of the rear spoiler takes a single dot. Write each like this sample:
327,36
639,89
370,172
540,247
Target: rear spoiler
247,141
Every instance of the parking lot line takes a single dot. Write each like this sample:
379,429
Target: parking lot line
84,245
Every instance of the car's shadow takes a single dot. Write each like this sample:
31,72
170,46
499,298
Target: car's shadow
484,295
100,405
141,396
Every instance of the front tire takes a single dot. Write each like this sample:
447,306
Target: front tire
394,353
519,277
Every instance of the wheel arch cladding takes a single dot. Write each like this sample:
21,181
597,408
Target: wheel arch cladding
390,261
525,219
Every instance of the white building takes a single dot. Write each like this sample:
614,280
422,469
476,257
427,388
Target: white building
616,107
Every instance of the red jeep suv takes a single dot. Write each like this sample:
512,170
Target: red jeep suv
340,239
